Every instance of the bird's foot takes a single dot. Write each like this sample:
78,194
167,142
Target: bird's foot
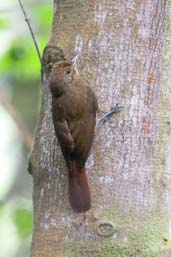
114,109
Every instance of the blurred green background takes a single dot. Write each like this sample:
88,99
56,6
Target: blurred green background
20,85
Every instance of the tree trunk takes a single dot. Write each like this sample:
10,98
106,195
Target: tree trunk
125,56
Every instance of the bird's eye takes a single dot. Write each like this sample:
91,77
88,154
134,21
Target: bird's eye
68,71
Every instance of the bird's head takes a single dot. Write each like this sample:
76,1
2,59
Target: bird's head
62,75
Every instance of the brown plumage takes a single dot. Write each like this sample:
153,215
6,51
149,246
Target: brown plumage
74,108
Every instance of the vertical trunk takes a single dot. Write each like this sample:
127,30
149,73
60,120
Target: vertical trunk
122,57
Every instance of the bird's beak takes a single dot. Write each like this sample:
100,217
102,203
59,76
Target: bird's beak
75,59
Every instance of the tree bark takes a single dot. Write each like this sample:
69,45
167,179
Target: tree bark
125,55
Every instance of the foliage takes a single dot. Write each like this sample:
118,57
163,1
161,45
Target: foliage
19,59
3,23
23,221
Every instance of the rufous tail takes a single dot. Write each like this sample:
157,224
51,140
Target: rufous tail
79,192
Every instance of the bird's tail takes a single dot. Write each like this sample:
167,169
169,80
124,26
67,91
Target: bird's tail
79,192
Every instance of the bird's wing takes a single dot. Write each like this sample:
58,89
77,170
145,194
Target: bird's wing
61,127
82,129
63,134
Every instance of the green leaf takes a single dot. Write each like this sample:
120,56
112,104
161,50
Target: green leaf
23,220
43,17
3,23
21,59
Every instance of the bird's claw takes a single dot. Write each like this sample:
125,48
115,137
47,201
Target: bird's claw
115,109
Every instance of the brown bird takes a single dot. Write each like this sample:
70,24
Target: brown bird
74,108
